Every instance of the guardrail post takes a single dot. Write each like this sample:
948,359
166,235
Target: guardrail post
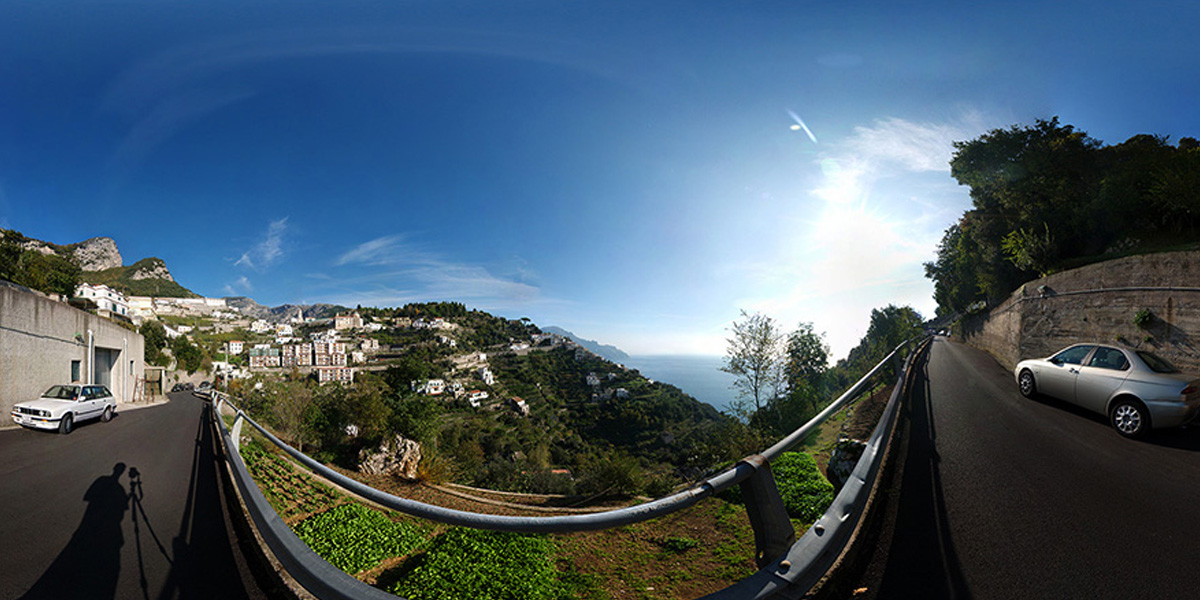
773,531
236,432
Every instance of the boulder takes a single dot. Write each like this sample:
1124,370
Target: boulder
843,460
399,456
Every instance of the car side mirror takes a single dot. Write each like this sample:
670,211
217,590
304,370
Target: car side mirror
1056,362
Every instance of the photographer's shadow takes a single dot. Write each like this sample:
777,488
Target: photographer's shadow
89,565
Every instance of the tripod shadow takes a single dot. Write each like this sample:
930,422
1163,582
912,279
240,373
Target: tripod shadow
89,565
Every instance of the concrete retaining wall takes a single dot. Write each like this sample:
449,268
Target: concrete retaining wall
44,342
1097,303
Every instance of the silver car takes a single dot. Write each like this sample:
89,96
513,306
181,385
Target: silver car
1135,389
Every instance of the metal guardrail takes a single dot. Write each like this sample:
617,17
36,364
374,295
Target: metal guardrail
786,565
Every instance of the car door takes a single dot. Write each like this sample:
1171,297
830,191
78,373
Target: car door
1099,377
90,404
1057,379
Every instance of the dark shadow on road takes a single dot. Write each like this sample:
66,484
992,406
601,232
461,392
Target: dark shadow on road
203,565
1180,438
922,562
90,564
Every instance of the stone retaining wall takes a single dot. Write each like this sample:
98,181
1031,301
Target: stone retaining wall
1097,303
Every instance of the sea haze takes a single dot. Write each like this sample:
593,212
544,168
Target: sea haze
698,376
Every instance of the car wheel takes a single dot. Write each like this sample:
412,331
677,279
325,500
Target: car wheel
1027,384
66,424
1129,418
107,416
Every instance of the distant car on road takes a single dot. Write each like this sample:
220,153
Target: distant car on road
203,390
1137,390
64,405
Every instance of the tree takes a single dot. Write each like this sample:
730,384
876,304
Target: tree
805,365
155,340
754,356
188,356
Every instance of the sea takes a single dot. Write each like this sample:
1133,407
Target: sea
698,376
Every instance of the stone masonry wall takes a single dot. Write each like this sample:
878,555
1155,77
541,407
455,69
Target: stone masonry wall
1097,303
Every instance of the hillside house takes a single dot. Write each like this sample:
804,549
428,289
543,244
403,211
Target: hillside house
485,374
348,321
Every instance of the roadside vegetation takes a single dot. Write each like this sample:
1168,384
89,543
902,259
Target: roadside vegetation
1048,197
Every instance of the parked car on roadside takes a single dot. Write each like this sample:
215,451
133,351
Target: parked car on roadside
203,390
1137,390
64,405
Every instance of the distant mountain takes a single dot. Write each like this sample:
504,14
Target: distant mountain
612,353
279,314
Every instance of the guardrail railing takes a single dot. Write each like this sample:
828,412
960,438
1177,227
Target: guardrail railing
785,563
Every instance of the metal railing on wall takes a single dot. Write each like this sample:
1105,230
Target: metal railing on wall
787,567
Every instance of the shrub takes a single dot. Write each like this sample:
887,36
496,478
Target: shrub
805,491
473,564
1143,318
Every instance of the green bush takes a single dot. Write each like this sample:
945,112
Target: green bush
805,491
472,564
353,537
1143,318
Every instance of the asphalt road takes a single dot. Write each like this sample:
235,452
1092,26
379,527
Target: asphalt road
1000,496
125,509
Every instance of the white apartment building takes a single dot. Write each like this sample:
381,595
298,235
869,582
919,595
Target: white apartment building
105,298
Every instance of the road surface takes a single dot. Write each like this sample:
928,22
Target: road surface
125,509
1005,497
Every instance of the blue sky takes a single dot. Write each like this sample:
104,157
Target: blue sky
633,171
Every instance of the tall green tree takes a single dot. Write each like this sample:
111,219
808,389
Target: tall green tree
754,356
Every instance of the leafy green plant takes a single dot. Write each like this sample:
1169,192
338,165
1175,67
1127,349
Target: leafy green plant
353,537
1143,318
472,564
805,491
290,492
678,544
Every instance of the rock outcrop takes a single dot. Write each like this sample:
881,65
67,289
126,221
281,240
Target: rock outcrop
399,457
96,254
151,268
843,460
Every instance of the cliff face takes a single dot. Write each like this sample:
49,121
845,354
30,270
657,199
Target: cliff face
96,254
150,268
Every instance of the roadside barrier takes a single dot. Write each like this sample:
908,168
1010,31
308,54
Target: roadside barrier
788,567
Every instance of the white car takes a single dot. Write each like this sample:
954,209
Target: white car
1135,389
64,405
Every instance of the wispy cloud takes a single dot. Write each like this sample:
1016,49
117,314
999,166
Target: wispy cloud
387,250
268,251
895,143
167,118
883,196
239,287
394,270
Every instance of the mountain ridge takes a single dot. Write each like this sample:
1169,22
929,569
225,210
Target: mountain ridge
607,351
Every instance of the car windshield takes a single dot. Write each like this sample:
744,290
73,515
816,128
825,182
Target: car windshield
61,392
1157,363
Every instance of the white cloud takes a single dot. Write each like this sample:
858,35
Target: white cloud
268,251
239,287
884,197
394,270
895,143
